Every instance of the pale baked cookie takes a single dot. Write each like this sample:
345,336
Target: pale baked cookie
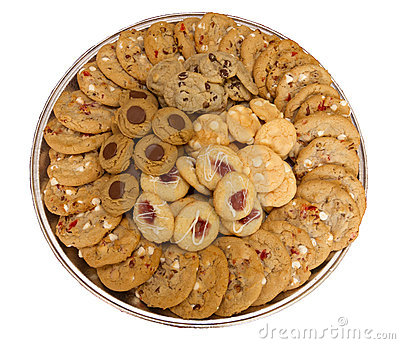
191,93
350,183
214,162
68,141
96,86
169,186
115,153
246,225
323,125
209,288
134,117
265,168
115,247
231,43
131,55
338,209
243,124
138,93
327,150
173,280
326,104
246,276
217,67
159,42
109,65
279,135
264,109
186,166
298,245
283,193
184,36
296,78
306,92
118,195
192,64
210,30
179,204
276,263
154,156
209,129
234,196
172,126
78,112
133,271
73,170
196,226
305,215
67,200
85,229
161,73
253,45
153,217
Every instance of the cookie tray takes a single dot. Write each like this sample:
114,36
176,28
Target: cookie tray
87,276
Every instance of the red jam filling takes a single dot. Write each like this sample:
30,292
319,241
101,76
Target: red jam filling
238,200
201,228
147,212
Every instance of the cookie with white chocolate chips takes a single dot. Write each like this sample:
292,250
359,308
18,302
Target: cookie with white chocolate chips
67,200
265,168
134,271
96,86
300,248
173,280
246,276
78,112
210,287
243,124
115,247
131,55
85,229
210,30
108,63
73,170
68,141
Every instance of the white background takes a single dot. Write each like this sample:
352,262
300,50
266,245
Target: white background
357,41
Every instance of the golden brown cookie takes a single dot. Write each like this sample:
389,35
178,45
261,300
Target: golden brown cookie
115,153
209,288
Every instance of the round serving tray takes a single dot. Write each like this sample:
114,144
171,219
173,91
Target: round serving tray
87,276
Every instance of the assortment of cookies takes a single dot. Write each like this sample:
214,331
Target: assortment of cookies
204,166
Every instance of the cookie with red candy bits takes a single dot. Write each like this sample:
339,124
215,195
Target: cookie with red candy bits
78,112
298,245
184,36
159,42
68,141
131,54
210,30
173,280
275,261
85,229
134,271
323,104
108,63
246,276
96,86
210,287
73,170
115,247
